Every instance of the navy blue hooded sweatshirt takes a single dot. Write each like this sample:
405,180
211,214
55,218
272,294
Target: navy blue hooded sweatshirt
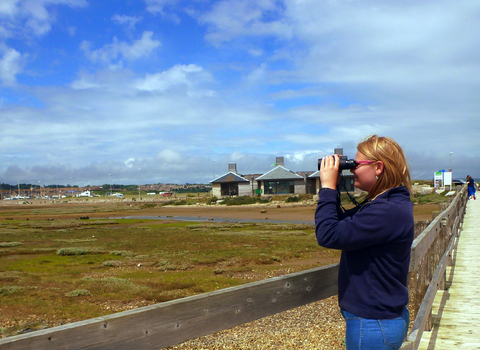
375,240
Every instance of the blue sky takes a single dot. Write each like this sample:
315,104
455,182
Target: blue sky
173,91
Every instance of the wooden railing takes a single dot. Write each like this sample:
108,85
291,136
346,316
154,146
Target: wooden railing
173,322
431,254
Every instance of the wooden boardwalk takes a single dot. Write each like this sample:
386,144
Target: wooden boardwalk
456,311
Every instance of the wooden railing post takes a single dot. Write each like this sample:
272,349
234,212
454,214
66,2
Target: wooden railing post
424,276
443,243
415,277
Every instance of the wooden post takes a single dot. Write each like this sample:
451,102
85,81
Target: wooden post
428,278
424,276
443,238
416,276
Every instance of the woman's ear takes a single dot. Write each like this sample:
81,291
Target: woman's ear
379,168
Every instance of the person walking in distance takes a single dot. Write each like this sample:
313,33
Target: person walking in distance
471,187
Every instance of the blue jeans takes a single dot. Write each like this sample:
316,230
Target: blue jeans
471,191
363,333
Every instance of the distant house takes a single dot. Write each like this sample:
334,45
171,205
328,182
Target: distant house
280,180
232,184
84,194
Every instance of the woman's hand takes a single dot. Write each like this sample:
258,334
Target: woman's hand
329,171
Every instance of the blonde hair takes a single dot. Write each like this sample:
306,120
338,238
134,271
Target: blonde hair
395,169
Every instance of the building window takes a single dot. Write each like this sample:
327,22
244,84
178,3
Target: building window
279,187
229,189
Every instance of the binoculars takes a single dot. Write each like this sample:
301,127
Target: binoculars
345,163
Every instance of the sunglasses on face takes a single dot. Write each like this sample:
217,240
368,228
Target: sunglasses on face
359,163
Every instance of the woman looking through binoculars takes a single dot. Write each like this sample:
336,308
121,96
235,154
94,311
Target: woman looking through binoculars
375,239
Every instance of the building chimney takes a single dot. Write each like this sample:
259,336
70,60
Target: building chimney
279,161
232,168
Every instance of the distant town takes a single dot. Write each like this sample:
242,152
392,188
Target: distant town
33,191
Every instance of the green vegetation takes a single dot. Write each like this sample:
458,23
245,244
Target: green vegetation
79,251
7,290
431,198
212,200
189,188
423,182
78,293
72,269
9,244
243,200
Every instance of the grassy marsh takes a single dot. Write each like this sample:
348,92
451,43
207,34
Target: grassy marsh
66,269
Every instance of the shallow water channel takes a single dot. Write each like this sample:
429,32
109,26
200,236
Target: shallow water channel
215,219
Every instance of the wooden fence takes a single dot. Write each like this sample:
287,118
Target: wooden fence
431,254
161,325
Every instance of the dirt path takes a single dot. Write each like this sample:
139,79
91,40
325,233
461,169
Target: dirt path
283,212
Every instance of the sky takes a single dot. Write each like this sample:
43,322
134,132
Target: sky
172,91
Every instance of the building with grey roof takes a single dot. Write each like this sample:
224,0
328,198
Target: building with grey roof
232,184
280,180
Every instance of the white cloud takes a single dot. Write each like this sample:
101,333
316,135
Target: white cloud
169,156
237,156
4,32
257,75
130,162
128,21
8,7
10,65
105,80
118,51
256,52
163,8
228,20
188,75
32,16
71,30
299,157
158,6
418,45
